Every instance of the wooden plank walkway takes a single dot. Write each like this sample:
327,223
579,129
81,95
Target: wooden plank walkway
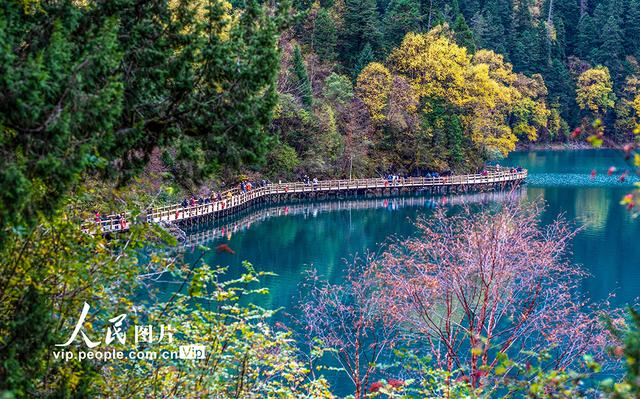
234,200
227,227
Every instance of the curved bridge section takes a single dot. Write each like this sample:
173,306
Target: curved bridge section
235,200
227,228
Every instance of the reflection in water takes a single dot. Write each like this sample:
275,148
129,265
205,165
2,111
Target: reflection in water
607,246
592,208
210,232
324,235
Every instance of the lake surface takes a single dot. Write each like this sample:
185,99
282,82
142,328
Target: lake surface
290,239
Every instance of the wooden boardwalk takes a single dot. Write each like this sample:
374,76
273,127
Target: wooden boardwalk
227,227
235,200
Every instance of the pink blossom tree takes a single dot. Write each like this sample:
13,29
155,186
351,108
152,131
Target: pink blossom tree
347,321
475,286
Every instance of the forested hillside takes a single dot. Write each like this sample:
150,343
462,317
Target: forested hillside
405,86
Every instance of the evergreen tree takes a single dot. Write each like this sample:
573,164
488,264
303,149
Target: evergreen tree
301,78
587,37
470,8
463,34
632,29
561,88
559,49
108,84
455,9
402,16
611,48
567,14
543,47
363,59
480,29
498,18
600,17
325,36
360,28
456,141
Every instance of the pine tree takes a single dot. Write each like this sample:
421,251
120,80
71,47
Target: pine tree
632,29
470,7
325,36
463,34
586,37
301,78
364,58
456,141
498,18
600,17
402,16
79,92
567,13
559,48
361,27
455,9
480,29
611,48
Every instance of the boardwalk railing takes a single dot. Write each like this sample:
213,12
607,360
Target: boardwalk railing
234,225
235,198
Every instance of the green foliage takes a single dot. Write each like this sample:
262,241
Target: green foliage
631,29
48,274
97,88
628,333
552,42
586,36
365,57
401,17
325,36
282,161
610,47
360,34
303,85
338,89
463,34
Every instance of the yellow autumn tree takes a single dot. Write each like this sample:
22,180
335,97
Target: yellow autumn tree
530,112
595,90
494,104
636,104
486,117
434,65
372,87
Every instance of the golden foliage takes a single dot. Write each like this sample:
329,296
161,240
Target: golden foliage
372,87
636,104
433,65
483,89
595,90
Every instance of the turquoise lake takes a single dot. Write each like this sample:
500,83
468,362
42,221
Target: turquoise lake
289,239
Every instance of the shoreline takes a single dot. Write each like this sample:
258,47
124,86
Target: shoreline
556,146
